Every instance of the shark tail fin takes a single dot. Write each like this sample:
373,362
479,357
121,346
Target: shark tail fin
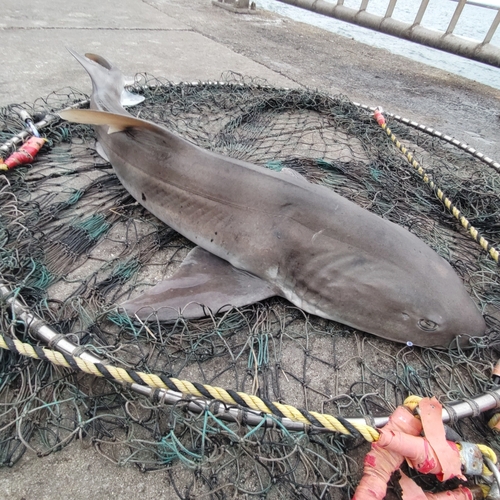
104,74
98,68
115,122
93,57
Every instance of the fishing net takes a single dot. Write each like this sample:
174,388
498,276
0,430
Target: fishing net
74,244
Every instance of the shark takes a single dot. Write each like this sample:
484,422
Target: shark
259,233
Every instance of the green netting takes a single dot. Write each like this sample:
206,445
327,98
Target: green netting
74,244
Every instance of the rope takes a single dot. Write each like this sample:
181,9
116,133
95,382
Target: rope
492,251
488,453
411,402
247,401
436,133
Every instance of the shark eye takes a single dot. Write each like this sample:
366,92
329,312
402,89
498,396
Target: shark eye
427,325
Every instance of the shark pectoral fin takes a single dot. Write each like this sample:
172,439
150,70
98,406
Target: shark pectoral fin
203,283
115,122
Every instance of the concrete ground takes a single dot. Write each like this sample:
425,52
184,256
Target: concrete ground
193,40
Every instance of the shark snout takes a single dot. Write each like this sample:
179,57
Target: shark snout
470,324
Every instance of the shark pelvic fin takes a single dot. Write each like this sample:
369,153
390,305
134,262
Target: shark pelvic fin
115,122
100,151
202,285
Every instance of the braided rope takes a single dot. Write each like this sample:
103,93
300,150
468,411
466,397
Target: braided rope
492,251
488,453
436,133
411,402
248,401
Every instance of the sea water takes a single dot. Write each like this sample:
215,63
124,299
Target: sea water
474,23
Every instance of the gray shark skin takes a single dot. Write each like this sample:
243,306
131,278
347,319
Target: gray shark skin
261,233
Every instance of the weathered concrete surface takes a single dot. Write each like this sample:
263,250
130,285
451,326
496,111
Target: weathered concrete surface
196,41
35,62
193,40
160,53
319,59
95,14
79,473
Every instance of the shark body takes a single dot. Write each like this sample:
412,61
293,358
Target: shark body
261,233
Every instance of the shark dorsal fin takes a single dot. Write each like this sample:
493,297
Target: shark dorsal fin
116,122
294,174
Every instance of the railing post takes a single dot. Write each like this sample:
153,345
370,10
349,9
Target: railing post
493,28
456,16
421,12
390,8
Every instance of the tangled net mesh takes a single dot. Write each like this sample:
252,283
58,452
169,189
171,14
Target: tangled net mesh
74,244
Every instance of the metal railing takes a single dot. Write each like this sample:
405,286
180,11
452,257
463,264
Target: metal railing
482,51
